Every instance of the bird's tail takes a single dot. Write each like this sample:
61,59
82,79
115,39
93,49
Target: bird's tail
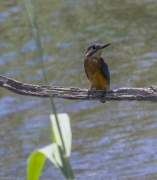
102,100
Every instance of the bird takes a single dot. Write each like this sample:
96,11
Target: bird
96,68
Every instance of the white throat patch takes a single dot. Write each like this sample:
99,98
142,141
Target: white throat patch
97,54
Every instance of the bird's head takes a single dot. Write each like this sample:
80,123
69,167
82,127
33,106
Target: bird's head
95,50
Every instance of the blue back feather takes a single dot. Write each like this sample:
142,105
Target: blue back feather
105,71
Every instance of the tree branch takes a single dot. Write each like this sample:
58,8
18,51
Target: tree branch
125,94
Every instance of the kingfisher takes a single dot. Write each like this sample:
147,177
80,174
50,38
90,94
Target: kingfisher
96,68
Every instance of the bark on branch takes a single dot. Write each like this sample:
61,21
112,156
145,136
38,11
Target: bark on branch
125,94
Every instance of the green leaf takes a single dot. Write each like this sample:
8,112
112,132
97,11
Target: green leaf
37,159
35,164
52,153
64,123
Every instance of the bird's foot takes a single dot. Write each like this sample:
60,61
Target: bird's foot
89,90
104,93
103,96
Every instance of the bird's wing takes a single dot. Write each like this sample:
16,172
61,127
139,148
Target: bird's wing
105,70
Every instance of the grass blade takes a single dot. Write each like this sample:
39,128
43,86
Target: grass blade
64,123
37,159
35,163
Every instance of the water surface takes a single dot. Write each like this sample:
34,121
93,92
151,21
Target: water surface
115,140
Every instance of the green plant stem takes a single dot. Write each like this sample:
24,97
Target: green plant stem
29,8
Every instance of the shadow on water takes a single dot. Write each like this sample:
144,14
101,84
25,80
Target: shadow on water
115,140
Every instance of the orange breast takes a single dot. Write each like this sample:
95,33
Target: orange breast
95,75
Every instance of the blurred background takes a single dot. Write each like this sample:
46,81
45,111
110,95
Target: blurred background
115,140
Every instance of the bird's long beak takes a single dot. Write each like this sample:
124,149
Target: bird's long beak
102,46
